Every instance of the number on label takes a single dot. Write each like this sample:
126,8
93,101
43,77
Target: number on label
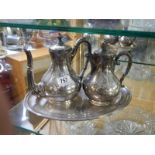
63,80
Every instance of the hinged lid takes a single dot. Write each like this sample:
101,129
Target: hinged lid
60,47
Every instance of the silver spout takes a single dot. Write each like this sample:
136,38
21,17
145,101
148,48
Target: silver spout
30,74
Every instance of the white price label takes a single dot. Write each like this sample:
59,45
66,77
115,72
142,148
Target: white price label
64,81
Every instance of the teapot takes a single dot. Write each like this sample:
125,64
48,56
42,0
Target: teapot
101,85
60,82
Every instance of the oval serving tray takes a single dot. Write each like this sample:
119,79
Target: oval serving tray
76,110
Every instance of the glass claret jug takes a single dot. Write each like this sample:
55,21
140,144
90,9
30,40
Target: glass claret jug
60,83
101,85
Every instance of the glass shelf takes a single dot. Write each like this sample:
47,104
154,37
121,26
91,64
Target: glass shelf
143,30
23,131
24,122
132,28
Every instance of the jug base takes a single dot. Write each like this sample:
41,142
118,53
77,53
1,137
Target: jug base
107,103
97,103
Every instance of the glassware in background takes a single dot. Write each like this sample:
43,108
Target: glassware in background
150,51
150,57
54,127
105,23
50,38
94,39
52,22
141,24
37,40
13,39
27,35
3,52
139,52
80,127
132,120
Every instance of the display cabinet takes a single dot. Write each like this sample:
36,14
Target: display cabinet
138,117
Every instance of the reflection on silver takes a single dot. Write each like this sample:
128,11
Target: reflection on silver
77,109
110,39
126,41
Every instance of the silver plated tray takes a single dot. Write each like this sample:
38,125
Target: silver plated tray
76,110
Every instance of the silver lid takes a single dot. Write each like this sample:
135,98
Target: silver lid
60,47
126,41
110,39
